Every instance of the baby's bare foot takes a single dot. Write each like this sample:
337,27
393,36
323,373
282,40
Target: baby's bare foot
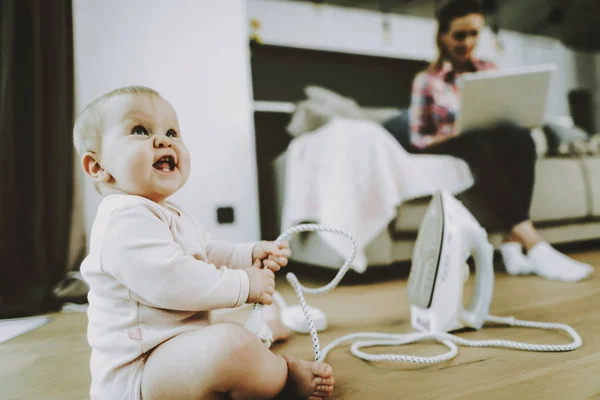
309,380
272,317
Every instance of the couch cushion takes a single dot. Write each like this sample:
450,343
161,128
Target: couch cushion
560,190
560,136
410,215
559,193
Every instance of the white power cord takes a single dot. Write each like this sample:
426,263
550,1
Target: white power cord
448,340
388,339
254,321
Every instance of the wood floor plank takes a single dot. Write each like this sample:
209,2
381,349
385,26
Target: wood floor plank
52,361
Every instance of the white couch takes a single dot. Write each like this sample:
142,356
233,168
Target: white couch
565,208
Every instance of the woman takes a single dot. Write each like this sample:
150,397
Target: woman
502,158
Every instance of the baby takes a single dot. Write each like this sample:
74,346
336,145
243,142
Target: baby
155,275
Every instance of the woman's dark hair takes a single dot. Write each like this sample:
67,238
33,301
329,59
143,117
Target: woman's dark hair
451,10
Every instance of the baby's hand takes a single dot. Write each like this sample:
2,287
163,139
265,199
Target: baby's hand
262,284
271,255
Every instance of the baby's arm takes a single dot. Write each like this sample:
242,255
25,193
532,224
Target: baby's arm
237,256
140,252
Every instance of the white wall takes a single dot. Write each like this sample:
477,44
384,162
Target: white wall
195,53
301,24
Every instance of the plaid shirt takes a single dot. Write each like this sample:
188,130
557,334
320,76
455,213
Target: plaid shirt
435,103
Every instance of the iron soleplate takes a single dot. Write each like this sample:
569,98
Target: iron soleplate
427,254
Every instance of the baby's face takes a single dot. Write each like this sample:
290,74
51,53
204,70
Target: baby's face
142,149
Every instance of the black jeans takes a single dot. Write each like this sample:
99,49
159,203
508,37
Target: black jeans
502,160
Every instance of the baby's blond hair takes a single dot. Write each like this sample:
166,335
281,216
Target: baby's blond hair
87,131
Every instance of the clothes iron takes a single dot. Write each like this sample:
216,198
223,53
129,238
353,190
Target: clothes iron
448,236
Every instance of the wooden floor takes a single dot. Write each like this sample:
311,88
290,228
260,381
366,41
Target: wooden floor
52,361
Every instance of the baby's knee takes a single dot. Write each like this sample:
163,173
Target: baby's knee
230,330
245,365
236,341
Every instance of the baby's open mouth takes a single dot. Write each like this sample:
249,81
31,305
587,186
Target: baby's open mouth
166,164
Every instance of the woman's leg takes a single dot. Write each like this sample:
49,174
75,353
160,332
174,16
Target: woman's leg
516,149
519,150
526,234
503,179
503,162
226,361
485,159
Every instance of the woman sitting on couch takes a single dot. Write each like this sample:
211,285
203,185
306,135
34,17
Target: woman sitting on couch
502,157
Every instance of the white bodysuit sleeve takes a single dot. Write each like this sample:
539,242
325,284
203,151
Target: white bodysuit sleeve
139,251
238,256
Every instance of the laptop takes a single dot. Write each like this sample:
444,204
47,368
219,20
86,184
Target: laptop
517,95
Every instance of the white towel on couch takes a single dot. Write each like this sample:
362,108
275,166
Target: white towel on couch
352,174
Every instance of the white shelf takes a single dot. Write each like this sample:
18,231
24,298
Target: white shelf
274,106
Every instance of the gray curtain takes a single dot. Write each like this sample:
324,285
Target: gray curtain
36,154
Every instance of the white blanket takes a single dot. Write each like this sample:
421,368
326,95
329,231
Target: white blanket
352,174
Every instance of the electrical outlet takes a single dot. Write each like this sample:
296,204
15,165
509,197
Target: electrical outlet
225,215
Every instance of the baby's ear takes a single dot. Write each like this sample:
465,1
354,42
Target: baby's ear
93,168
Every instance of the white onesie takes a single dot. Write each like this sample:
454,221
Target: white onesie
153,274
